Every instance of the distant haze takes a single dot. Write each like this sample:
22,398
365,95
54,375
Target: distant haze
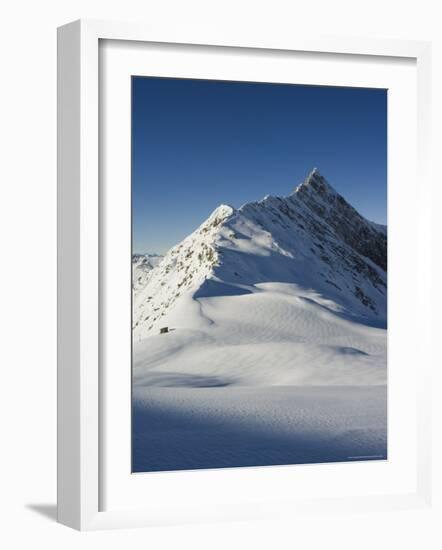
197,144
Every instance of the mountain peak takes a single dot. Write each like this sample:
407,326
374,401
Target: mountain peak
315,182
222,212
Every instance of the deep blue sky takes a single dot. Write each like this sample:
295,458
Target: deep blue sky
199,143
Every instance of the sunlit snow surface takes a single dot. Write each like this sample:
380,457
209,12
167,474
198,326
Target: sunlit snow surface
277,344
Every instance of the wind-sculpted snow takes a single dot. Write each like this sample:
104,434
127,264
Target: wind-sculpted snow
278,335
178,428
276,343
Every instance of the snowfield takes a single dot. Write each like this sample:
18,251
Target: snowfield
190,428
276,342
278,335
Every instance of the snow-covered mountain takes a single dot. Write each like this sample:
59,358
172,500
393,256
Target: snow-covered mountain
276,349
142,265
312,239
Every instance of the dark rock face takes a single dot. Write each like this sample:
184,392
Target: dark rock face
332,247
365,238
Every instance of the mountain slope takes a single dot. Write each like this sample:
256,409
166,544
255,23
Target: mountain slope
142,265
311,240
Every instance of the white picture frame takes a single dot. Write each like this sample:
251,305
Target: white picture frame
80,393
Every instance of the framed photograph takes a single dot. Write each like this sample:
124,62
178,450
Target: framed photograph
235,251
259,327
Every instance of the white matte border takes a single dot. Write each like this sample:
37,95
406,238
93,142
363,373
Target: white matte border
232,491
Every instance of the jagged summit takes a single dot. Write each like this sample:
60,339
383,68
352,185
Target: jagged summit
312,238
316,183
365,237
